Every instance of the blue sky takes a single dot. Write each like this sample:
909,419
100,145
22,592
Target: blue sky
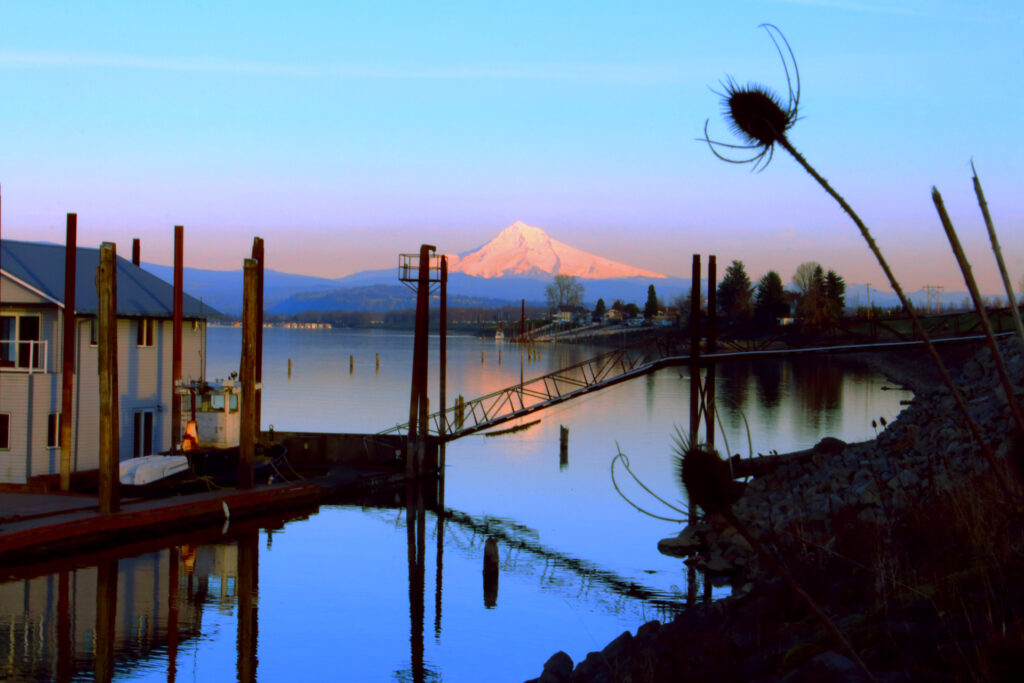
346,133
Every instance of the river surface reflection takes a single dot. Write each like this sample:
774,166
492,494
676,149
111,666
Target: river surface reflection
394,589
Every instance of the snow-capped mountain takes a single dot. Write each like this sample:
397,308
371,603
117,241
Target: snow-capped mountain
522,249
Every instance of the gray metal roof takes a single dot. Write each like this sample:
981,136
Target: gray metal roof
139,293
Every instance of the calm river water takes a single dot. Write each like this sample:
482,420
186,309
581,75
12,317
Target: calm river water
334,599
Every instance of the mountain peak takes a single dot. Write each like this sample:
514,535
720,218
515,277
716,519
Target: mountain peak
522,249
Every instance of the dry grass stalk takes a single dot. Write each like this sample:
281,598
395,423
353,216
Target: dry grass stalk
979,305
1011,299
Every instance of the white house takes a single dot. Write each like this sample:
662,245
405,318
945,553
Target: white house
31,362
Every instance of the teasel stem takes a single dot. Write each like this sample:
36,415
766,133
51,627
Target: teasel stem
1010,298
791,581
958,398
979,305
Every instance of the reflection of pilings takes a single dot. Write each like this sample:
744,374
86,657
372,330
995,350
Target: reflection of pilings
248,573
416,539
438,578
499,529
106,618
65,643
173,576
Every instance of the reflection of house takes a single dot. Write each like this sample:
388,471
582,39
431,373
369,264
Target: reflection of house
31,345
152,593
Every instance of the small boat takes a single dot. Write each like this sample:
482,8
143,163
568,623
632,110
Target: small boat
151,468
500,334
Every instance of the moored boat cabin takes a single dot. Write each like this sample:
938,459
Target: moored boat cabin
31,362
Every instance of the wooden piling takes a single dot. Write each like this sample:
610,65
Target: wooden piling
709,372
499,356
106,293
491,563
68,366
351,364
481,358
443,377
247,376
289,368
418,392
179,261
378,362
691,587
563,447
257,253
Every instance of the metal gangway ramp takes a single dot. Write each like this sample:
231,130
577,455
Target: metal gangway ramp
541,392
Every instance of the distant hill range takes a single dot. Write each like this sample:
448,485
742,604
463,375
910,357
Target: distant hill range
517,264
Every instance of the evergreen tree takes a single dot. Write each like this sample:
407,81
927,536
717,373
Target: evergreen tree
813,306
651,307
600,309
770,299
835,297
734,293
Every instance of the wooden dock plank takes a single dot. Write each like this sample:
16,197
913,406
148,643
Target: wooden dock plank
91,528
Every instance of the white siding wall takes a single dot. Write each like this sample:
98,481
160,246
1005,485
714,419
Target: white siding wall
144,383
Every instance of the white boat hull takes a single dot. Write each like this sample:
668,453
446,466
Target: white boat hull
150,468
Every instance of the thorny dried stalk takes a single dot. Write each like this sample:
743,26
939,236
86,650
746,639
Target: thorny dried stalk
757,115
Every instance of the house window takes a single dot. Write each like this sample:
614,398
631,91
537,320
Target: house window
53,431
20,345
143,433
144,332
5,431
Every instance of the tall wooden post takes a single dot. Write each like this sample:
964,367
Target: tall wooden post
443,378
709,371
247,376
70,333
110,419
418,398
136,251
691,574
179,258
257,253
695,351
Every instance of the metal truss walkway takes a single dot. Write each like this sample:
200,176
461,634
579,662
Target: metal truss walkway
538,393
607,370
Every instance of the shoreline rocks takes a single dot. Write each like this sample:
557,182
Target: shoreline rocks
833,499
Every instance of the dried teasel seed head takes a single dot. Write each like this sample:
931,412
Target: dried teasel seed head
756,114
707,479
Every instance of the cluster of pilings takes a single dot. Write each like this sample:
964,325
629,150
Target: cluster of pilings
106,290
